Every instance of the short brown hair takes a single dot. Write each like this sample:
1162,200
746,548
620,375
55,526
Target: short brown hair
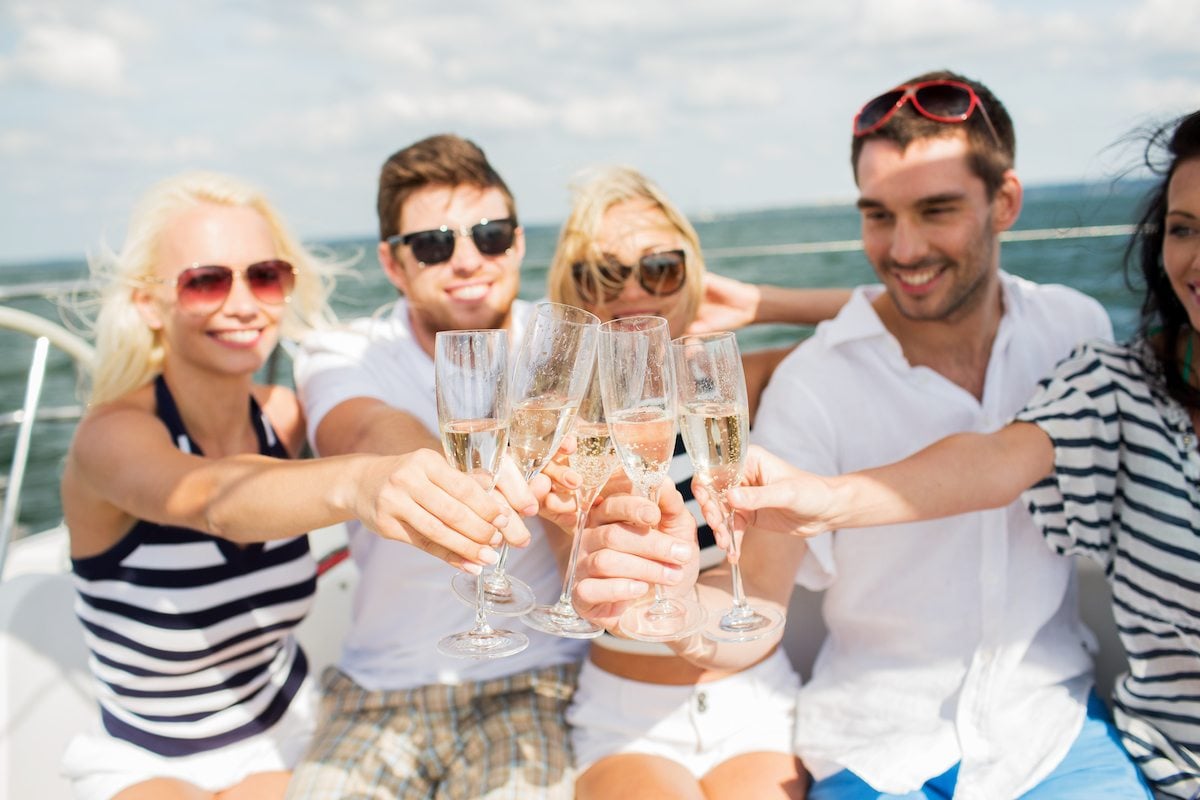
442,160
989,159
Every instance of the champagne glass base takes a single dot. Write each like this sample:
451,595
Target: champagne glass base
647,622
492,644
738,626
510,599
559,621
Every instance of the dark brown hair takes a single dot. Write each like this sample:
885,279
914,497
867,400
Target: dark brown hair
1166,148
989,159
442,160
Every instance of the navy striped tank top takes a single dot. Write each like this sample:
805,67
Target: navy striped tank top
191,635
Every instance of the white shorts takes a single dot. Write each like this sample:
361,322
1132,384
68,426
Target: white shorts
99,766
699,725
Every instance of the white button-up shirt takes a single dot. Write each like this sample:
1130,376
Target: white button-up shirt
956,640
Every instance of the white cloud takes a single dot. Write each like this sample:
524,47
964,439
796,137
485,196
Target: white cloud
882,22
726,86
1164,96
18,143
1171,24
484,106
70,58
619,115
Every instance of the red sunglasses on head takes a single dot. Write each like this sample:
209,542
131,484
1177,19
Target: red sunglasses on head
202,289
943,101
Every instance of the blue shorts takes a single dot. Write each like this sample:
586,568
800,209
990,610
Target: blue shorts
1095,766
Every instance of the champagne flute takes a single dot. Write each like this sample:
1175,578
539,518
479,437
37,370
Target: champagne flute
715,421
637,384
471,371
548,381
594,459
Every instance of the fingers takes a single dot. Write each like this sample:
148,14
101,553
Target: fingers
627,509
754,498
455,499
404,519
561,475
511,484
616,551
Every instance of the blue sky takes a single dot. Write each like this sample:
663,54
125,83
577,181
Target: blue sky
730,106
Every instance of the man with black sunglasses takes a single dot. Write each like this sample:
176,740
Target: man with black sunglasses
956,662
401,719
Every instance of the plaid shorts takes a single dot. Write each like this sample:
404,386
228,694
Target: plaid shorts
500,740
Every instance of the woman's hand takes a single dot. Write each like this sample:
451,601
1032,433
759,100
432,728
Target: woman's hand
631,543
419,499
774,496
726,305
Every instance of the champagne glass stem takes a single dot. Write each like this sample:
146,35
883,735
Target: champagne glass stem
740,607
662,607
497,581
584,497
481,628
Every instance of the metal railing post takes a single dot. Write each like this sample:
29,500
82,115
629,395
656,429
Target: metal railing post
12,494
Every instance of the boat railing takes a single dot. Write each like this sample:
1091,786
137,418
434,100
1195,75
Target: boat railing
46,334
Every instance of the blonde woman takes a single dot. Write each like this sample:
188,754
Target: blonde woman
645,722
186,520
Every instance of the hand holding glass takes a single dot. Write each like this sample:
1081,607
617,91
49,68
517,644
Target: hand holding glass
471,371
594,459
548,381
715,422
636,381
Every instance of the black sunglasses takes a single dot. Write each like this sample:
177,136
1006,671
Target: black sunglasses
659,274
492,237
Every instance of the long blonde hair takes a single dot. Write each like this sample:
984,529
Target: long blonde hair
128,353
593,192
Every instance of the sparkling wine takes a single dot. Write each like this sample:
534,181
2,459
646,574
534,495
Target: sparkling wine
535,430
475,445
645,441
594,458
715,435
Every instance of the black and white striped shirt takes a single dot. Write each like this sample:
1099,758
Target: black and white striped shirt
1125,493
191,635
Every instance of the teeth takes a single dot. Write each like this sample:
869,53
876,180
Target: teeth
473,292
918,277
237,337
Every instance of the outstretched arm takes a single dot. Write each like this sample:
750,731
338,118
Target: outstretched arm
959,474
123,467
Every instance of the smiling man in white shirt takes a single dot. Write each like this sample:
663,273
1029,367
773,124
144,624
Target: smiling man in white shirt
955,663
400,719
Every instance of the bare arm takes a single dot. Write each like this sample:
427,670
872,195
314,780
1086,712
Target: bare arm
729,304
123,467
959,474
369,425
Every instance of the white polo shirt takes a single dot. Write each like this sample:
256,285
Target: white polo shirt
956,640
404,602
